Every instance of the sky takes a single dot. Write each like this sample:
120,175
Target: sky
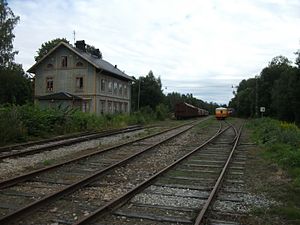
202,47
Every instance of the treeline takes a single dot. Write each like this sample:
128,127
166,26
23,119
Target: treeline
15,84
277,88
146,92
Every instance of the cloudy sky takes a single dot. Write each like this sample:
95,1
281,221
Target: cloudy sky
203,47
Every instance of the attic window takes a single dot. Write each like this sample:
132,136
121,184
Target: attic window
64,61
79,64
50,66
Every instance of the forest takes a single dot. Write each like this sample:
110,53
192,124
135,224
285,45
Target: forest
277,88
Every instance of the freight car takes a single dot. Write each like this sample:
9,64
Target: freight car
184,110
221,113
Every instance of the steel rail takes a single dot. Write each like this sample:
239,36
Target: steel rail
67,142
125,197
58,138
79,184
201,214
26,176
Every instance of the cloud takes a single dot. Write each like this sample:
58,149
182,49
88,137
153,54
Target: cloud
212,43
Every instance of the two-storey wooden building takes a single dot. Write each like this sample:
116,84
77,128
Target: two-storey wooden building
71,76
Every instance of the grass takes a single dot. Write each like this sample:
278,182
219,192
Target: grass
280,144
47,162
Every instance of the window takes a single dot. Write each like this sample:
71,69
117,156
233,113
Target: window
115,88
102,106
120,89
49,83
79,64
102,85
79,83
85,106
64,61
50,66
110,86
115,107
109,106
125,90
120,107
125,107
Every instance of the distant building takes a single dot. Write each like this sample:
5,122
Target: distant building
70,76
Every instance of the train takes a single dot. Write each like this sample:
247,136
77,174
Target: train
221,113
184,110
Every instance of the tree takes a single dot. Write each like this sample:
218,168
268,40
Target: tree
15,86
48,46
244,101
269,75
7,23
146,91
93,51
297,62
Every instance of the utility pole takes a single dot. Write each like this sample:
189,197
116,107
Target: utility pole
139,92
256,96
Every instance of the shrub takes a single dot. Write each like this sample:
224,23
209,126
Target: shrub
17,123
11,126
161,112
282,141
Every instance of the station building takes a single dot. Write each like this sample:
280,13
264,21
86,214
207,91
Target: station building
73,77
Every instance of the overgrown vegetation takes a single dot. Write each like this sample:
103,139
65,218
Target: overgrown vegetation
281,144
22,123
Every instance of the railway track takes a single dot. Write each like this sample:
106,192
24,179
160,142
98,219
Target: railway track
181,193
35,147
24,194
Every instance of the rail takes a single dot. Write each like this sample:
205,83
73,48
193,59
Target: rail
200,216
125,197
83,182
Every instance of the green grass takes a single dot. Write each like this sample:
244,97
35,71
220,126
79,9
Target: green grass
280,142
47,162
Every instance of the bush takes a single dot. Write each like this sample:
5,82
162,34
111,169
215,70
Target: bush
19,123
282,142
11,126
161,112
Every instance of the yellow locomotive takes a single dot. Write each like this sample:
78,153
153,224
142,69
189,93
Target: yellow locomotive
221,113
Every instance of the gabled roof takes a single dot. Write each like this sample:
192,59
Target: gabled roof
96,62
59,96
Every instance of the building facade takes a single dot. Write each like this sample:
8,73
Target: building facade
72,77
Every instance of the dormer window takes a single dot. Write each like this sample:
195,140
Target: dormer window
79,64
64,61
50,66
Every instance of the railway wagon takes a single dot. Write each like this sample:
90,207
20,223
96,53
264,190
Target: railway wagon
221,113
184,110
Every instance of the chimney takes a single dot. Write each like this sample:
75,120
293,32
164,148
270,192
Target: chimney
80,45
116,66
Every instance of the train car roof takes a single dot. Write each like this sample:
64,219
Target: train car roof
184,103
